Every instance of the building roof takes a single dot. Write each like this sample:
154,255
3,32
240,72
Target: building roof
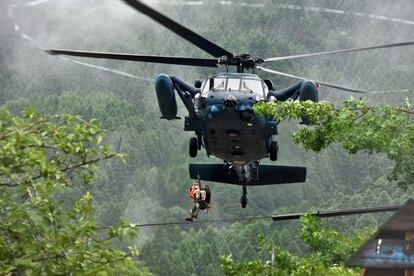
389,246
402,220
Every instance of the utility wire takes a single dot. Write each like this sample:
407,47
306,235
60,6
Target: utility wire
280,217
248,219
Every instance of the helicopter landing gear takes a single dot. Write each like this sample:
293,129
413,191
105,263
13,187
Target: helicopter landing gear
274,149
243,199
193,147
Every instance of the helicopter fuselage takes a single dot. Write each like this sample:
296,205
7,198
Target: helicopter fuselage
222,116
226,123
220,112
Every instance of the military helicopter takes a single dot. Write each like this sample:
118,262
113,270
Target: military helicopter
220,108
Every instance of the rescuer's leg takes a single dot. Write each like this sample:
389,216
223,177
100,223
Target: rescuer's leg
195,209
193,212
190,215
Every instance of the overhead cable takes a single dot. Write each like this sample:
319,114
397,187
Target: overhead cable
280,217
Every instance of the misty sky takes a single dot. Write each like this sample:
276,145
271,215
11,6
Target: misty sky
105,24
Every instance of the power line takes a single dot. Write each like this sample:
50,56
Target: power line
280,217
248,219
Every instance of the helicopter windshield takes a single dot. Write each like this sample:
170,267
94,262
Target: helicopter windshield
252,86
233,84
218,84
248,85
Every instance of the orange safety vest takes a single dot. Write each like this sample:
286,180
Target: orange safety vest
192,191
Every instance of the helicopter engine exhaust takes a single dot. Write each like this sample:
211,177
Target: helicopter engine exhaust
308,91
167,103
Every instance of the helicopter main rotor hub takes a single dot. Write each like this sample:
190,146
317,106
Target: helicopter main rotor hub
242,61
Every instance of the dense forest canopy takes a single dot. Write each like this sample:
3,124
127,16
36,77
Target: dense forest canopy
45,227
152,185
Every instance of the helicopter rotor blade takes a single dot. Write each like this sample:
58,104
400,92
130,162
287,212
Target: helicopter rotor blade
204,62
189,35
318,82
407,43
337,213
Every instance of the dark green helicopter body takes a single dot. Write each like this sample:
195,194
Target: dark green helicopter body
224,121
222,116
220,109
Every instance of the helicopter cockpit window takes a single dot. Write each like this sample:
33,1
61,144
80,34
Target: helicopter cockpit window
233,84
252,86
217,84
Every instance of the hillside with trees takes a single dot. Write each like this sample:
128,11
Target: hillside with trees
150,183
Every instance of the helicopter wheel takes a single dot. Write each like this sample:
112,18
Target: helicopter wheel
193,147
243,201
274,148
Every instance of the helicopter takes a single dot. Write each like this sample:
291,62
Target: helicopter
220,108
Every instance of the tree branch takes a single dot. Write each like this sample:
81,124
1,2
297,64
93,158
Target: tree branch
48,258
84,163
9,185
362,114
405,111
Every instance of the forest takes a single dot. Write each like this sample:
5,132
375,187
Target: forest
136,171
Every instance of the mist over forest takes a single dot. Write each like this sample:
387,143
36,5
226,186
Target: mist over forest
152,185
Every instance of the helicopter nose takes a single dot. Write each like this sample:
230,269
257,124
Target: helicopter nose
230,102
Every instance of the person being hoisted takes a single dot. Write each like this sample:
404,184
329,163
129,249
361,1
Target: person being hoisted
202,199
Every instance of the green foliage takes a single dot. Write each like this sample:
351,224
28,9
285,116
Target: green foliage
329,245
128,190
152,186
328,250
43,230
357,126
